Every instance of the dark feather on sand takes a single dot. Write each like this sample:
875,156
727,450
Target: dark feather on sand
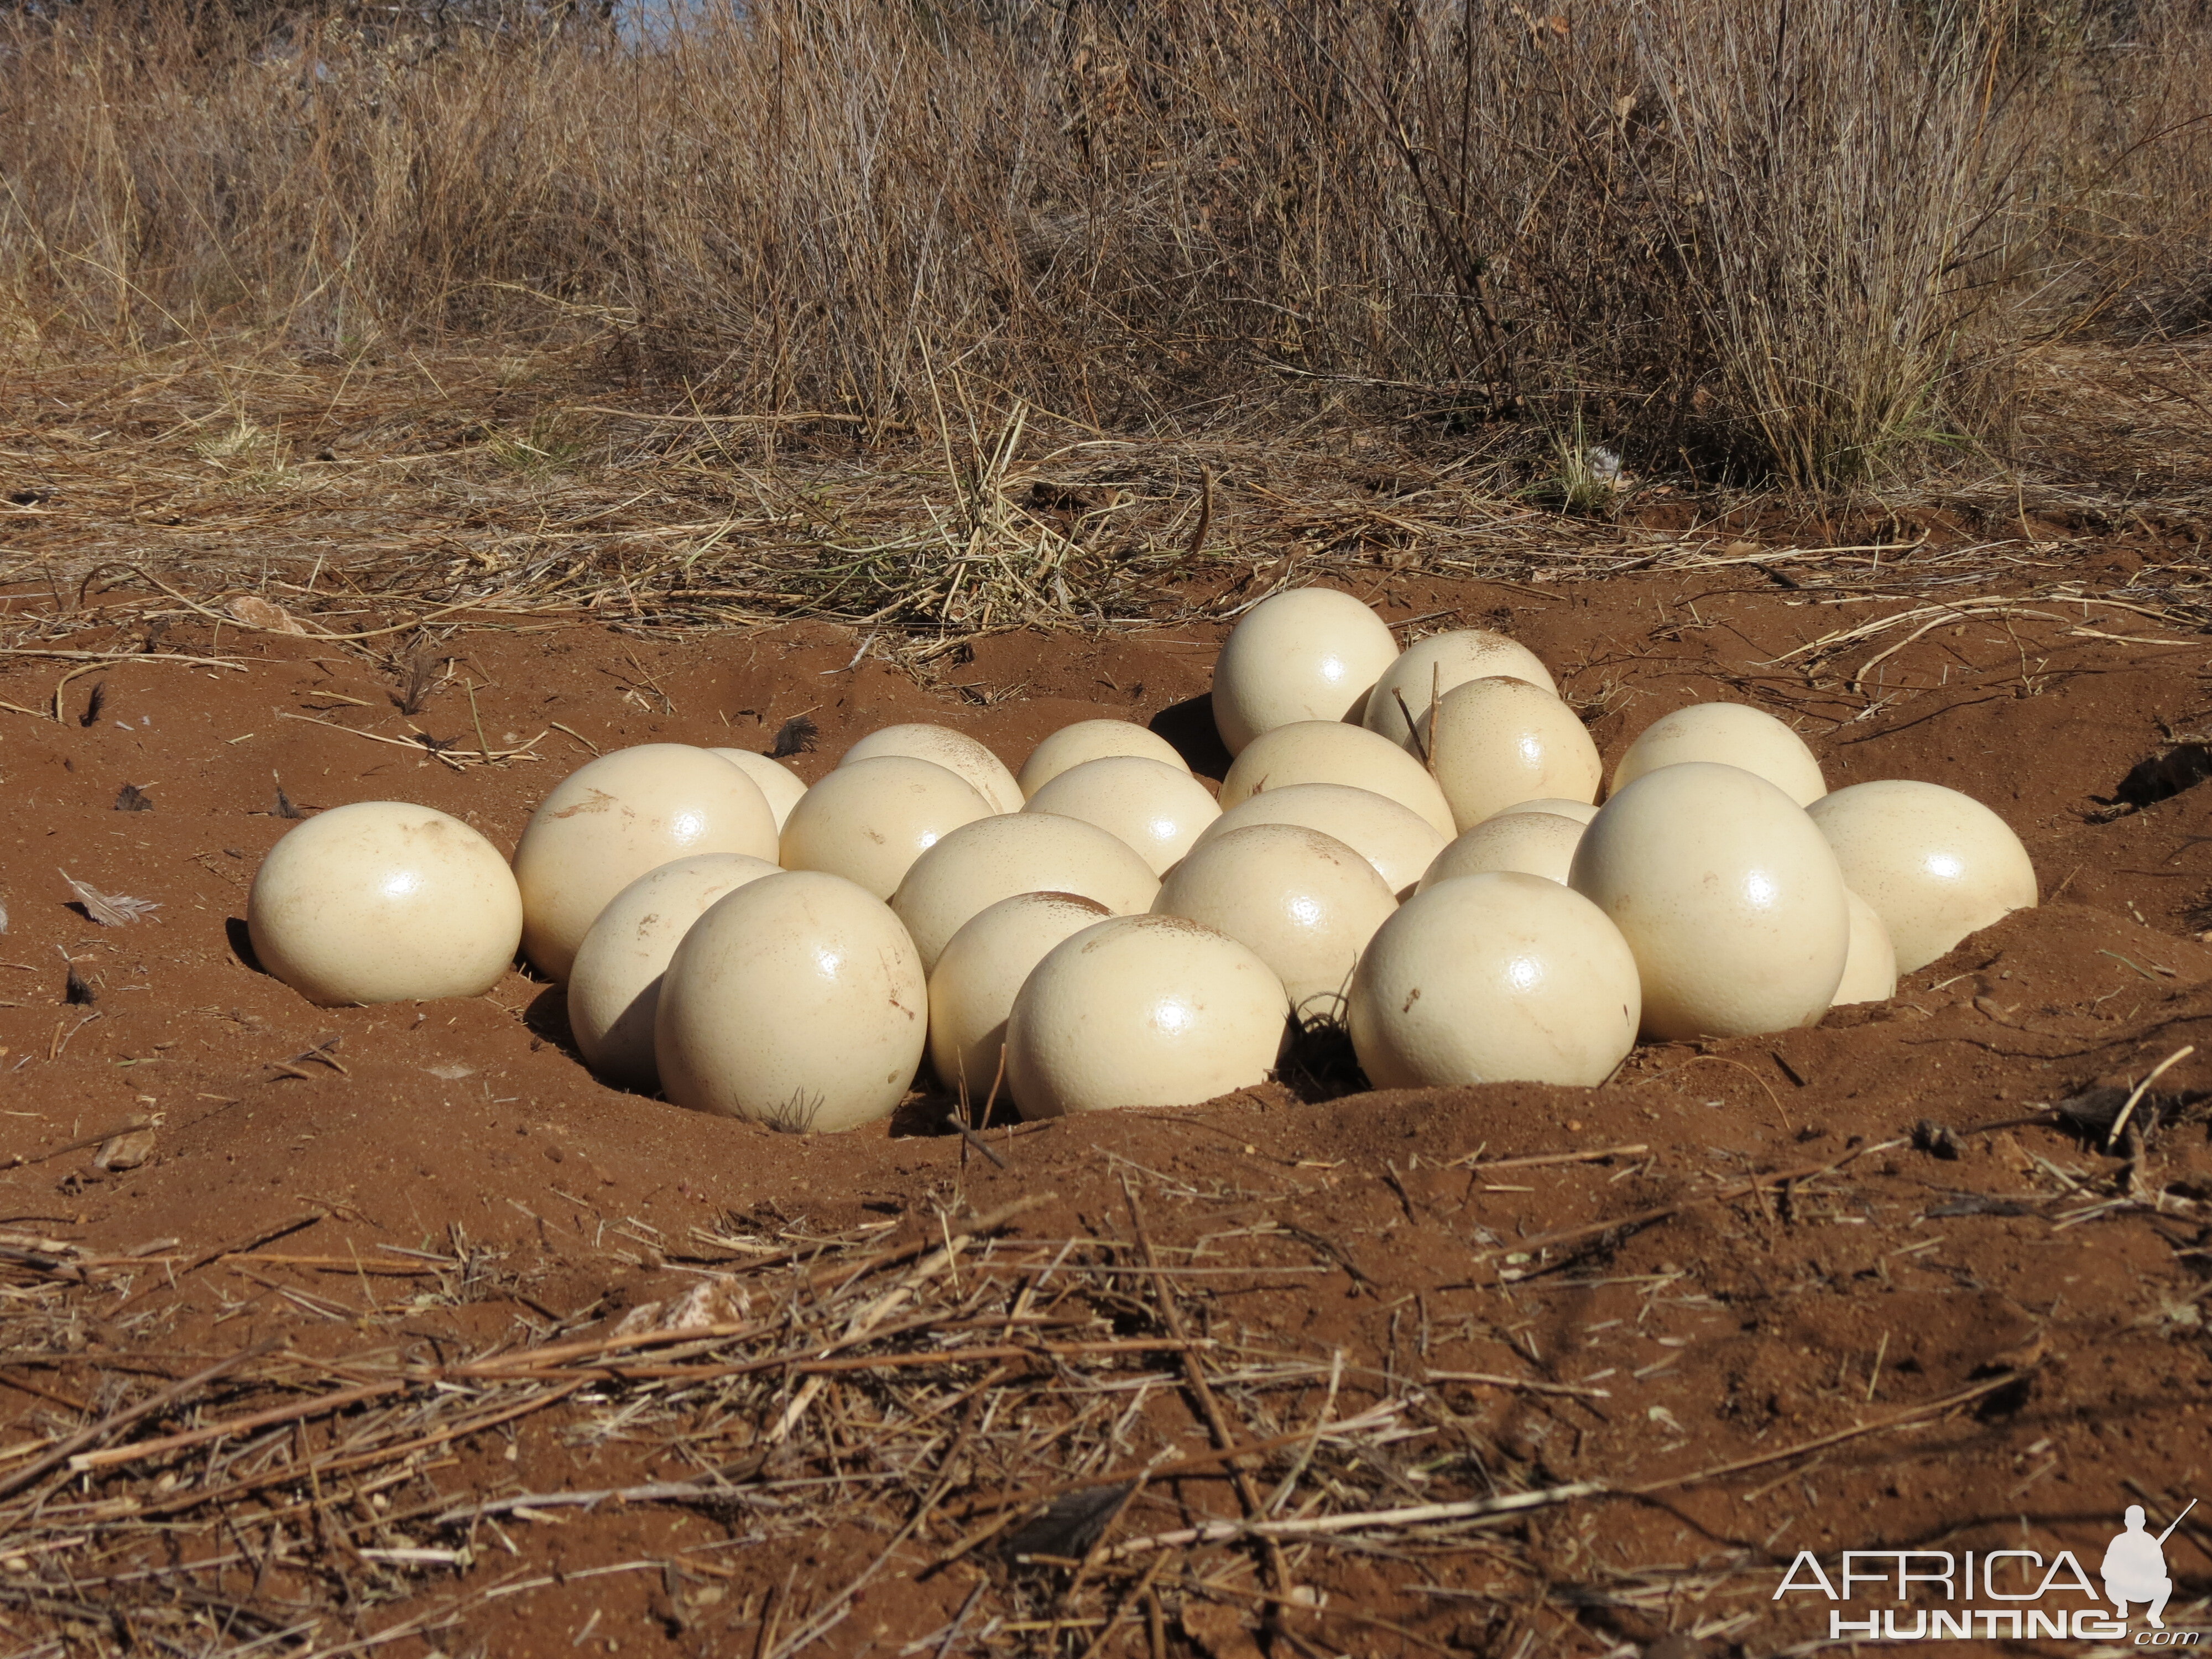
794,736
1070,1524
74,991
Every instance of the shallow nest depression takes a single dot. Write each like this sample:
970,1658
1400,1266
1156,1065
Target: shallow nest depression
329,1332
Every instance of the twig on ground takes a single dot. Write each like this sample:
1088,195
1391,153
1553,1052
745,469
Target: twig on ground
1521,1384
1216,1421
1644,1217
2119,1122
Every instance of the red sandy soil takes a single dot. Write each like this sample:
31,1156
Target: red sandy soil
2069,1279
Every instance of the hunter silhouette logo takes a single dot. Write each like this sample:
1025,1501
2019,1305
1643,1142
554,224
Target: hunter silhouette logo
2133,1570
2134,1567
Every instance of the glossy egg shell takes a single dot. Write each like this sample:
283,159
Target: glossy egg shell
1936,864
797,1001
1150,806
384,901
614,987
1091,740
608,821
995,858
1493,978
1303,902
779,784
1143,1011
1726,894
979,974
1494,743
1533,843
1582,812
1733,733
1330,752
1428,668
1307,654
869,820
1870,966
1396,840
956,751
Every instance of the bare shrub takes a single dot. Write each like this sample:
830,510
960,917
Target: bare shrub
1804,241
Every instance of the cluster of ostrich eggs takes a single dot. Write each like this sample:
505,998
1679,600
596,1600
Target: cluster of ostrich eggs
1407,846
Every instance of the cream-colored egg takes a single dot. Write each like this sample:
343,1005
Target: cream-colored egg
1428,668
1936,864
614,987
1582,812
869,820
1726,894
1329,752
384,901
1308,654
606,823
956,751
979,974
1533,843
1091,740
1870,966
1495,742
1393,837
995,858
1303,902
1499,977
1147,803
1733,733
781,785
1143,1011
797,1001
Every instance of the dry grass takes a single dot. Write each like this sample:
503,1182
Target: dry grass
376,507
1810,245
977,1404
1055,1424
